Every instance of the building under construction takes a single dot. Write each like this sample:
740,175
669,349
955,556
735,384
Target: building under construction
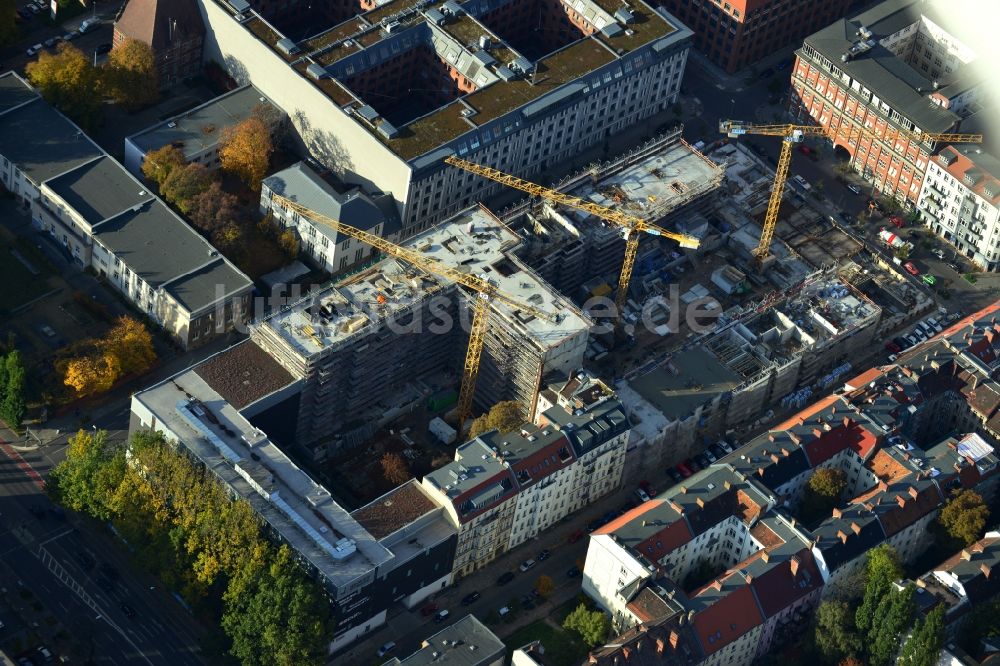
777,355
665,182
378,341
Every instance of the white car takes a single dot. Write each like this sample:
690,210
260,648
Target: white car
854,188
527,564
387,648
34,49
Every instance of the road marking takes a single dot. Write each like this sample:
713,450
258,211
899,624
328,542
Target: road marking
28,470
66,531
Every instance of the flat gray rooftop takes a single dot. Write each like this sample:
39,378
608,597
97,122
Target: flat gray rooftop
467,642
156,244
879,69
692,378
208,285
42,142
199,128
301,511
99,189
14,91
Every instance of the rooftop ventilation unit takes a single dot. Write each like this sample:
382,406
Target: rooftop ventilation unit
435,16
388,130
522,65
172,124
451,7
506,73
612,30
625,15
316,71
239,6
392,27
287,46
485,42
367,112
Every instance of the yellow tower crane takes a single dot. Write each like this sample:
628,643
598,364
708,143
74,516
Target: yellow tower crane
631,225
792,134
486,291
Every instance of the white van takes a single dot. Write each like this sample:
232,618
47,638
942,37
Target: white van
87,25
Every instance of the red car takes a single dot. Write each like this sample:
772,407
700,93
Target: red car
910,268
684,470
897,221
575,536
892,347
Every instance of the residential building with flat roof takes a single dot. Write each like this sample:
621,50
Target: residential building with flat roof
398,548
361,340
737,33
381,95
467,642
108,220
892,67
331,250
197,132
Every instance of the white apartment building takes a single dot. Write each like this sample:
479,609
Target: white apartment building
960,201
106,219
332,251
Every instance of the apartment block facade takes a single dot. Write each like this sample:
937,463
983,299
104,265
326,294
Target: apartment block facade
889,69
505,92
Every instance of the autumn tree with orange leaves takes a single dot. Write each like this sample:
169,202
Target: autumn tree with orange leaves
245,150
98,363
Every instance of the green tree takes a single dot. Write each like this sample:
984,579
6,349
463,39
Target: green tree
8,24
88,478
13,408
828,482
278,617
159,163
182,186
130,74
881,570
893,617
964,516
3,377
982,622
923,648
68,81
591,625
504,417
835,632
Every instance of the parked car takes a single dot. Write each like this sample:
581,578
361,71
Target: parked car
505,578
955,266
429,609
441,616
387,648
892,347
709,455
911,269
692,464
675,475
718,451
684,470
526,565
44,651
853,188
470,598
544,555
87,26
34,49
897,221
573,572
128,610
575,536
901,342
527,601
938,252
929,279
702,460
641,494
725,446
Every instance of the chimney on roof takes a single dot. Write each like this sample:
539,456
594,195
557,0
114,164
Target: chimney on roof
626,652
794,565
717,584
785,452
727,485
700,502
966,555
817,432
901,501
913,492
837,513
683,490
985,569
774,458
675,639
593,659
764,555
747,577
847,421
842,536
855,527
883,486
677,507
977,547
770,436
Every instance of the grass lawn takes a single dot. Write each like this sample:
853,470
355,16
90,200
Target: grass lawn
19,285
562,648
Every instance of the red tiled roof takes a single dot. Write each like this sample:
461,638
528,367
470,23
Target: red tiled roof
865,378
963,164
628,517
808,412
725,620
778,588
831,442
887,468
662,543
964,323
765,535
160,22
900,517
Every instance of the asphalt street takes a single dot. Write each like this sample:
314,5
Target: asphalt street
82,577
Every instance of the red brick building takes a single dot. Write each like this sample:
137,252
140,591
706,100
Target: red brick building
173,28
736,33
889,68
